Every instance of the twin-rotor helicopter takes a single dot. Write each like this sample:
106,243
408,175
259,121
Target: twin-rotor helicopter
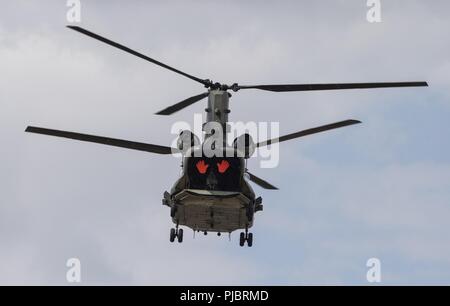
214,193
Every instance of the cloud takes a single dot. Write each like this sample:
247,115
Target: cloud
375,190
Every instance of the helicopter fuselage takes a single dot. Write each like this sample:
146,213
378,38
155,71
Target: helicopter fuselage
212,195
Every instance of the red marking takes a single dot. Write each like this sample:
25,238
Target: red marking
223,166
202,167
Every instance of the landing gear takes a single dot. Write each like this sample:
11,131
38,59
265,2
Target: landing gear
243,237
173,234
180,235
176,233
250,239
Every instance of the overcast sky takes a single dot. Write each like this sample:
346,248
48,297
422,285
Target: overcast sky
380,189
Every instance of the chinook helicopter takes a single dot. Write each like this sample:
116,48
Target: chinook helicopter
213,193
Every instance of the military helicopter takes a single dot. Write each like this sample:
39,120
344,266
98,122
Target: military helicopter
213,193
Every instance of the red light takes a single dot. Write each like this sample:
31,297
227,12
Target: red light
202,167
223,166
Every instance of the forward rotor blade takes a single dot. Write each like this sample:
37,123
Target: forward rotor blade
260,182
126,49
309,132
103,140
180,105
310,87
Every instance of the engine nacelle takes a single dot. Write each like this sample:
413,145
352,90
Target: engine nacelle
187,140
244,146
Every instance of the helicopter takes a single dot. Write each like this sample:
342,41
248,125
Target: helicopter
214,193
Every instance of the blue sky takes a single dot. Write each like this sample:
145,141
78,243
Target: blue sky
380,189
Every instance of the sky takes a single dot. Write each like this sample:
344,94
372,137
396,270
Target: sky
376,190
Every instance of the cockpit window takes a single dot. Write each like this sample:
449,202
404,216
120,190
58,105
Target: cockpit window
214,173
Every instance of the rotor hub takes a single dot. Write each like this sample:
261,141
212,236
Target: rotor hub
218,86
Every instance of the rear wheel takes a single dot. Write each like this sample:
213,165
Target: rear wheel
242,239
180,235
172,234
250,239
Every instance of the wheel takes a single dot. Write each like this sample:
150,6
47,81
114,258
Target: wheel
250,239
180,235
172,235
242,239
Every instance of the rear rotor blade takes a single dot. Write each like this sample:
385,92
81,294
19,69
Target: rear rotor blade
135,53
180,105
310,87
309,132
260,182
103,140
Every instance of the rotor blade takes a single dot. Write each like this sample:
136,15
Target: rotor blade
102,140
309,132
260,182
310,87
126,49
180,105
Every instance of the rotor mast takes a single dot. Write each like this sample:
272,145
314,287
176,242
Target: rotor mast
217,111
